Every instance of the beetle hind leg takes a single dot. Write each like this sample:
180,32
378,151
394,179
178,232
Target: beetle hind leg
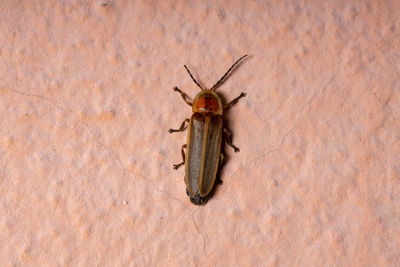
176,166
221,162
229,140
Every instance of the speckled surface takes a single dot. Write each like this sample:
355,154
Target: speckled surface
86,100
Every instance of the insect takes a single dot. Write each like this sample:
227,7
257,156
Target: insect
203,148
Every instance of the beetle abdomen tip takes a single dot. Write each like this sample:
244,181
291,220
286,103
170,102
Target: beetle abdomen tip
198,200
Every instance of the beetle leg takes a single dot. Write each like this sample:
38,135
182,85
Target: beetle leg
184,96
234,101
229,139
181,128
176,166
221,162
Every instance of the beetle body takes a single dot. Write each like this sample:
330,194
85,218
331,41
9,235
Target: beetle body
203,148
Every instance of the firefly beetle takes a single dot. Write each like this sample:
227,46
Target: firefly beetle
203,148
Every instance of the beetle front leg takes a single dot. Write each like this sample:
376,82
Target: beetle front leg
184,96
229,140
234,101
176,166
181,128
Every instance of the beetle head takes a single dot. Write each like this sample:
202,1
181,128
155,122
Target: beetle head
207,101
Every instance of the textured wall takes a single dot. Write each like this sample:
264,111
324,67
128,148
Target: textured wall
86,100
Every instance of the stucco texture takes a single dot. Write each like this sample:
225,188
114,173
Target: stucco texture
86,159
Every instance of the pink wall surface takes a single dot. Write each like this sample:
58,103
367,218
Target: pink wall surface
86,100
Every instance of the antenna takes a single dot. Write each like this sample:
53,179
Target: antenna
226,74
193,78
